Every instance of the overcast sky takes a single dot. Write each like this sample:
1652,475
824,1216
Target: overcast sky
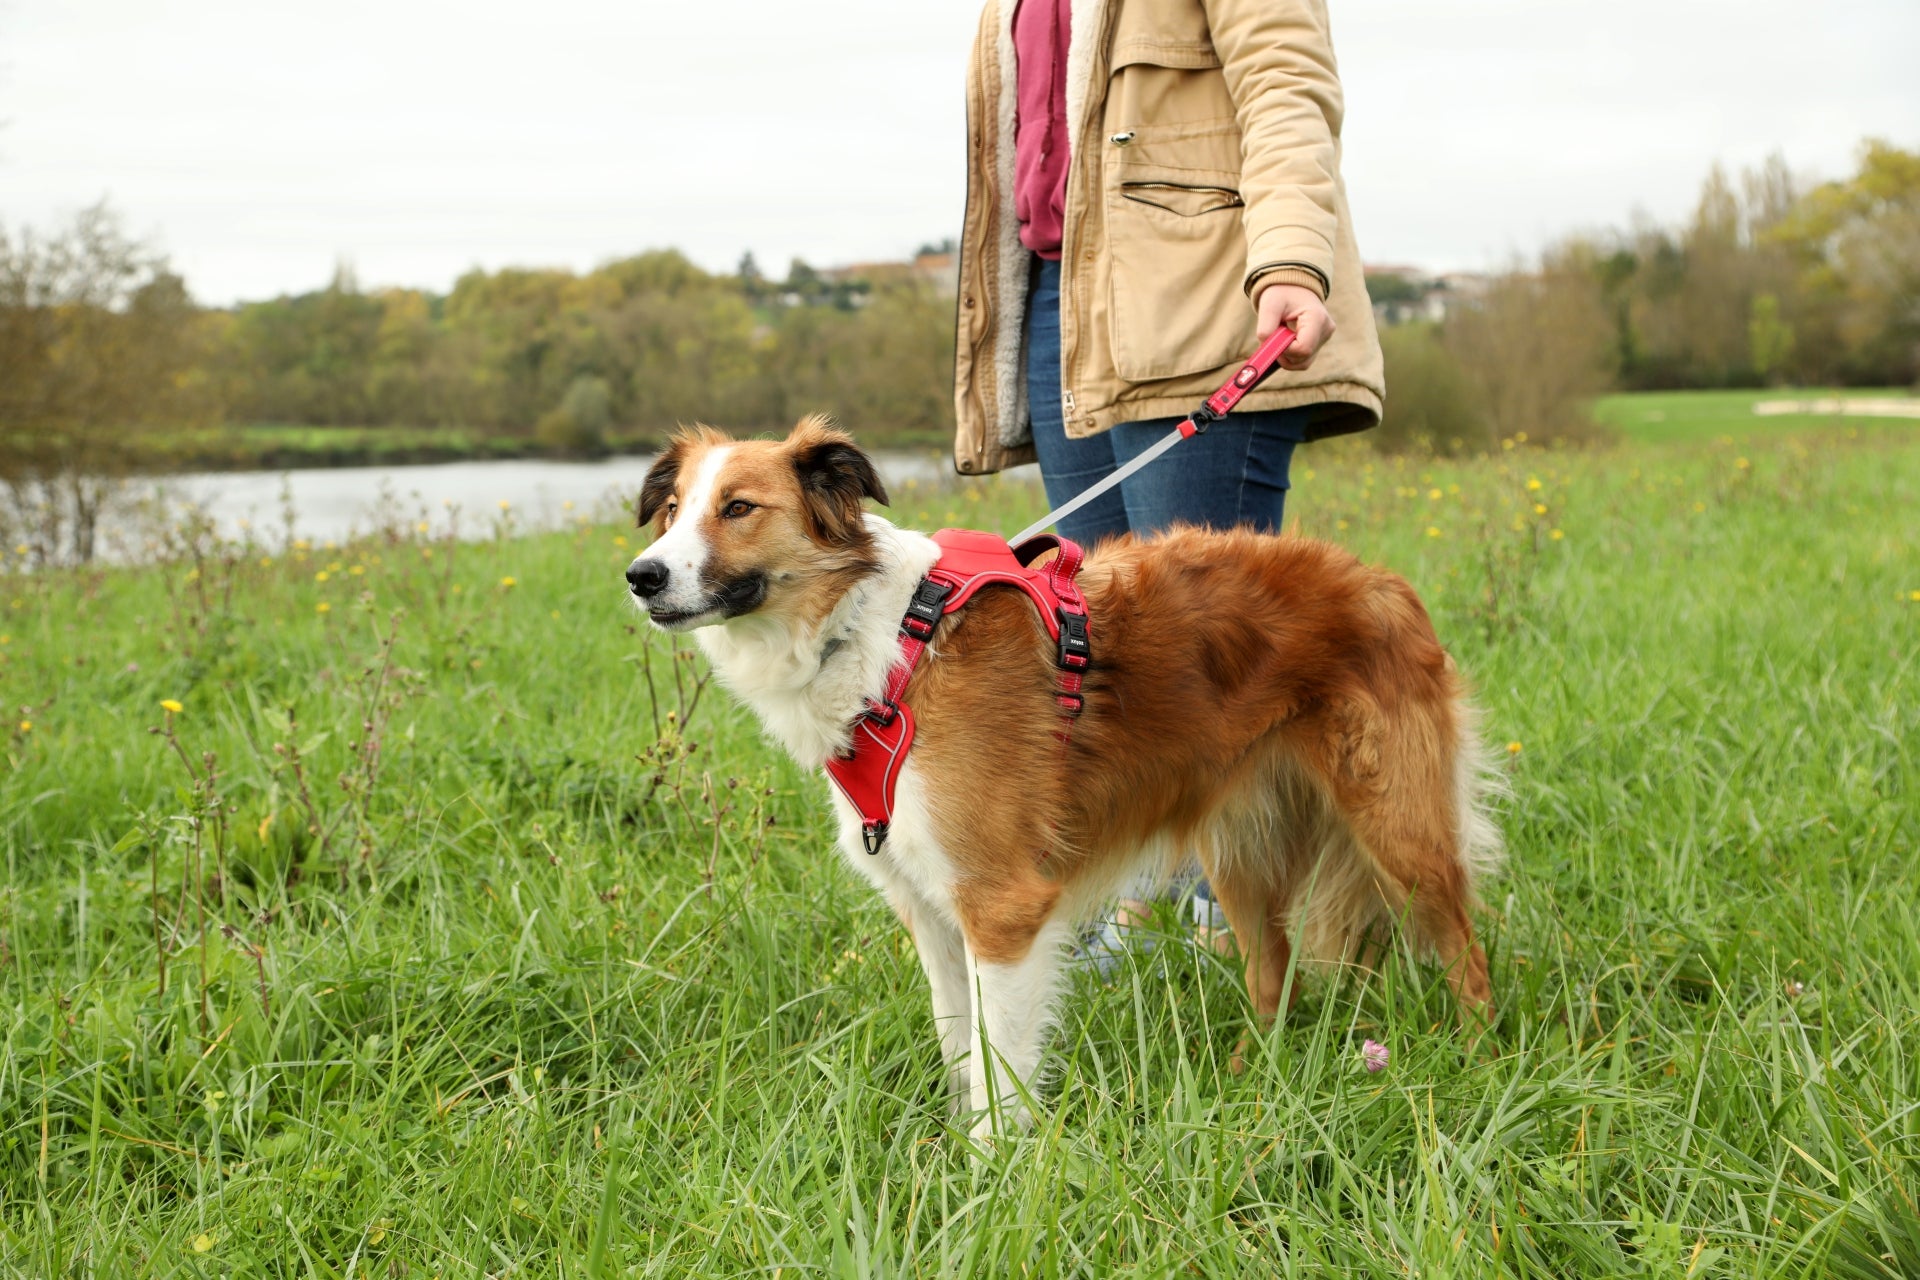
260,142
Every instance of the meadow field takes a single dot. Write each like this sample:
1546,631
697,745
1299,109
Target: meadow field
404,908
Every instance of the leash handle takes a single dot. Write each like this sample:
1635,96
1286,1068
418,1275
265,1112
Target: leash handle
1251,374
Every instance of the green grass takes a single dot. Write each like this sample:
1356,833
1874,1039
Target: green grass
1666,416
574,985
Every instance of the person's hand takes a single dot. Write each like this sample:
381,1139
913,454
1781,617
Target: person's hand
1300,309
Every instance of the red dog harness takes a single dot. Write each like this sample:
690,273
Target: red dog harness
969,560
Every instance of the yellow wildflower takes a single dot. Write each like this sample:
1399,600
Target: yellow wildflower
171,705
1533,484
1432,532
320,576
1539,508
26,726
1433,495
507,581
504,504
1558,534
202,1243
323,607
1513,748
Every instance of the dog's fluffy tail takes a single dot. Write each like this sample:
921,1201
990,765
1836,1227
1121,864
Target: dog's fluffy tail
1339,913
1479,783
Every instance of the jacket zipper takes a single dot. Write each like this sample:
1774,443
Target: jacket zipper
961,297
1070,257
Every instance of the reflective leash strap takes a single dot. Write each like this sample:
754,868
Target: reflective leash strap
1217,406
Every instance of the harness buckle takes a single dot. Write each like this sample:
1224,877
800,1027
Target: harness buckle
1076,653
924,610
872,836
883,712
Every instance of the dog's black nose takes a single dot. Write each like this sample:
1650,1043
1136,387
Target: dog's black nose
647,578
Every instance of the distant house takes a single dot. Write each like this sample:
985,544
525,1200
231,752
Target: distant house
1404,295
939,268
936,265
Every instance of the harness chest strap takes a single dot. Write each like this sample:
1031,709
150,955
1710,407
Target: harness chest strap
969,560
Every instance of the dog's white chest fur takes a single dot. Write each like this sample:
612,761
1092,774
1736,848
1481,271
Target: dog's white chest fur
809,686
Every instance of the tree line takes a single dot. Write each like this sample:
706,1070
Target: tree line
1770,280
638,345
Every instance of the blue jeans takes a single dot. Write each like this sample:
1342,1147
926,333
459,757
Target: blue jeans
1235,473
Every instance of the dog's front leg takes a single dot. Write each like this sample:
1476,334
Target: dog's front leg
1012,989
943,956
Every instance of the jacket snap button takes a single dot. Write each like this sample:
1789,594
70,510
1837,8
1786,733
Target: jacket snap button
1121,139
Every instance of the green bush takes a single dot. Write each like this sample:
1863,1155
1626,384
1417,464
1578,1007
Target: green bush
1431,403
578,425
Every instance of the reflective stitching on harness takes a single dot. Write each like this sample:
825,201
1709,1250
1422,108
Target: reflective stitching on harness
969,560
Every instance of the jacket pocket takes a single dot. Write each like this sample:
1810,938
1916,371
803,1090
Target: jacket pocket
1184,199
1178,254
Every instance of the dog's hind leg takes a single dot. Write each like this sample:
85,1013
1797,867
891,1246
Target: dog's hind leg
1256,908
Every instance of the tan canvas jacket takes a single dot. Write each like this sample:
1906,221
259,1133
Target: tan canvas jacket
1205,165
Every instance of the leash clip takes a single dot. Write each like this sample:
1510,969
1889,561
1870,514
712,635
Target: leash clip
872,836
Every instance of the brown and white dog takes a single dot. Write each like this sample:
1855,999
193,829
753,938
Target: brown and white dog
1267,703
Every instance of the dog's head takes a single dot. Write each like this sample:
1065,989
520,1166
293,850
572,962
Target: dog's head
751,526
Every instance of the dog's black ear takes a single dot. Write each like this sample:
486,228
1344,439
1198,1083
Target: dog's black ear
664,476
834,478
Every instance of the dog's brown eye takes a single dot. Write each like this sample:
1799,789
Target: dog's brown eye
737,508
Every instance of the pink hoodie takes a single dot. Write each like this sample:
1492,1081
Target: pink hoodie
1040,135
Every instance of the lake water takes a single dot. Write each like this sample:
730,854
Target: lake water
333,504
